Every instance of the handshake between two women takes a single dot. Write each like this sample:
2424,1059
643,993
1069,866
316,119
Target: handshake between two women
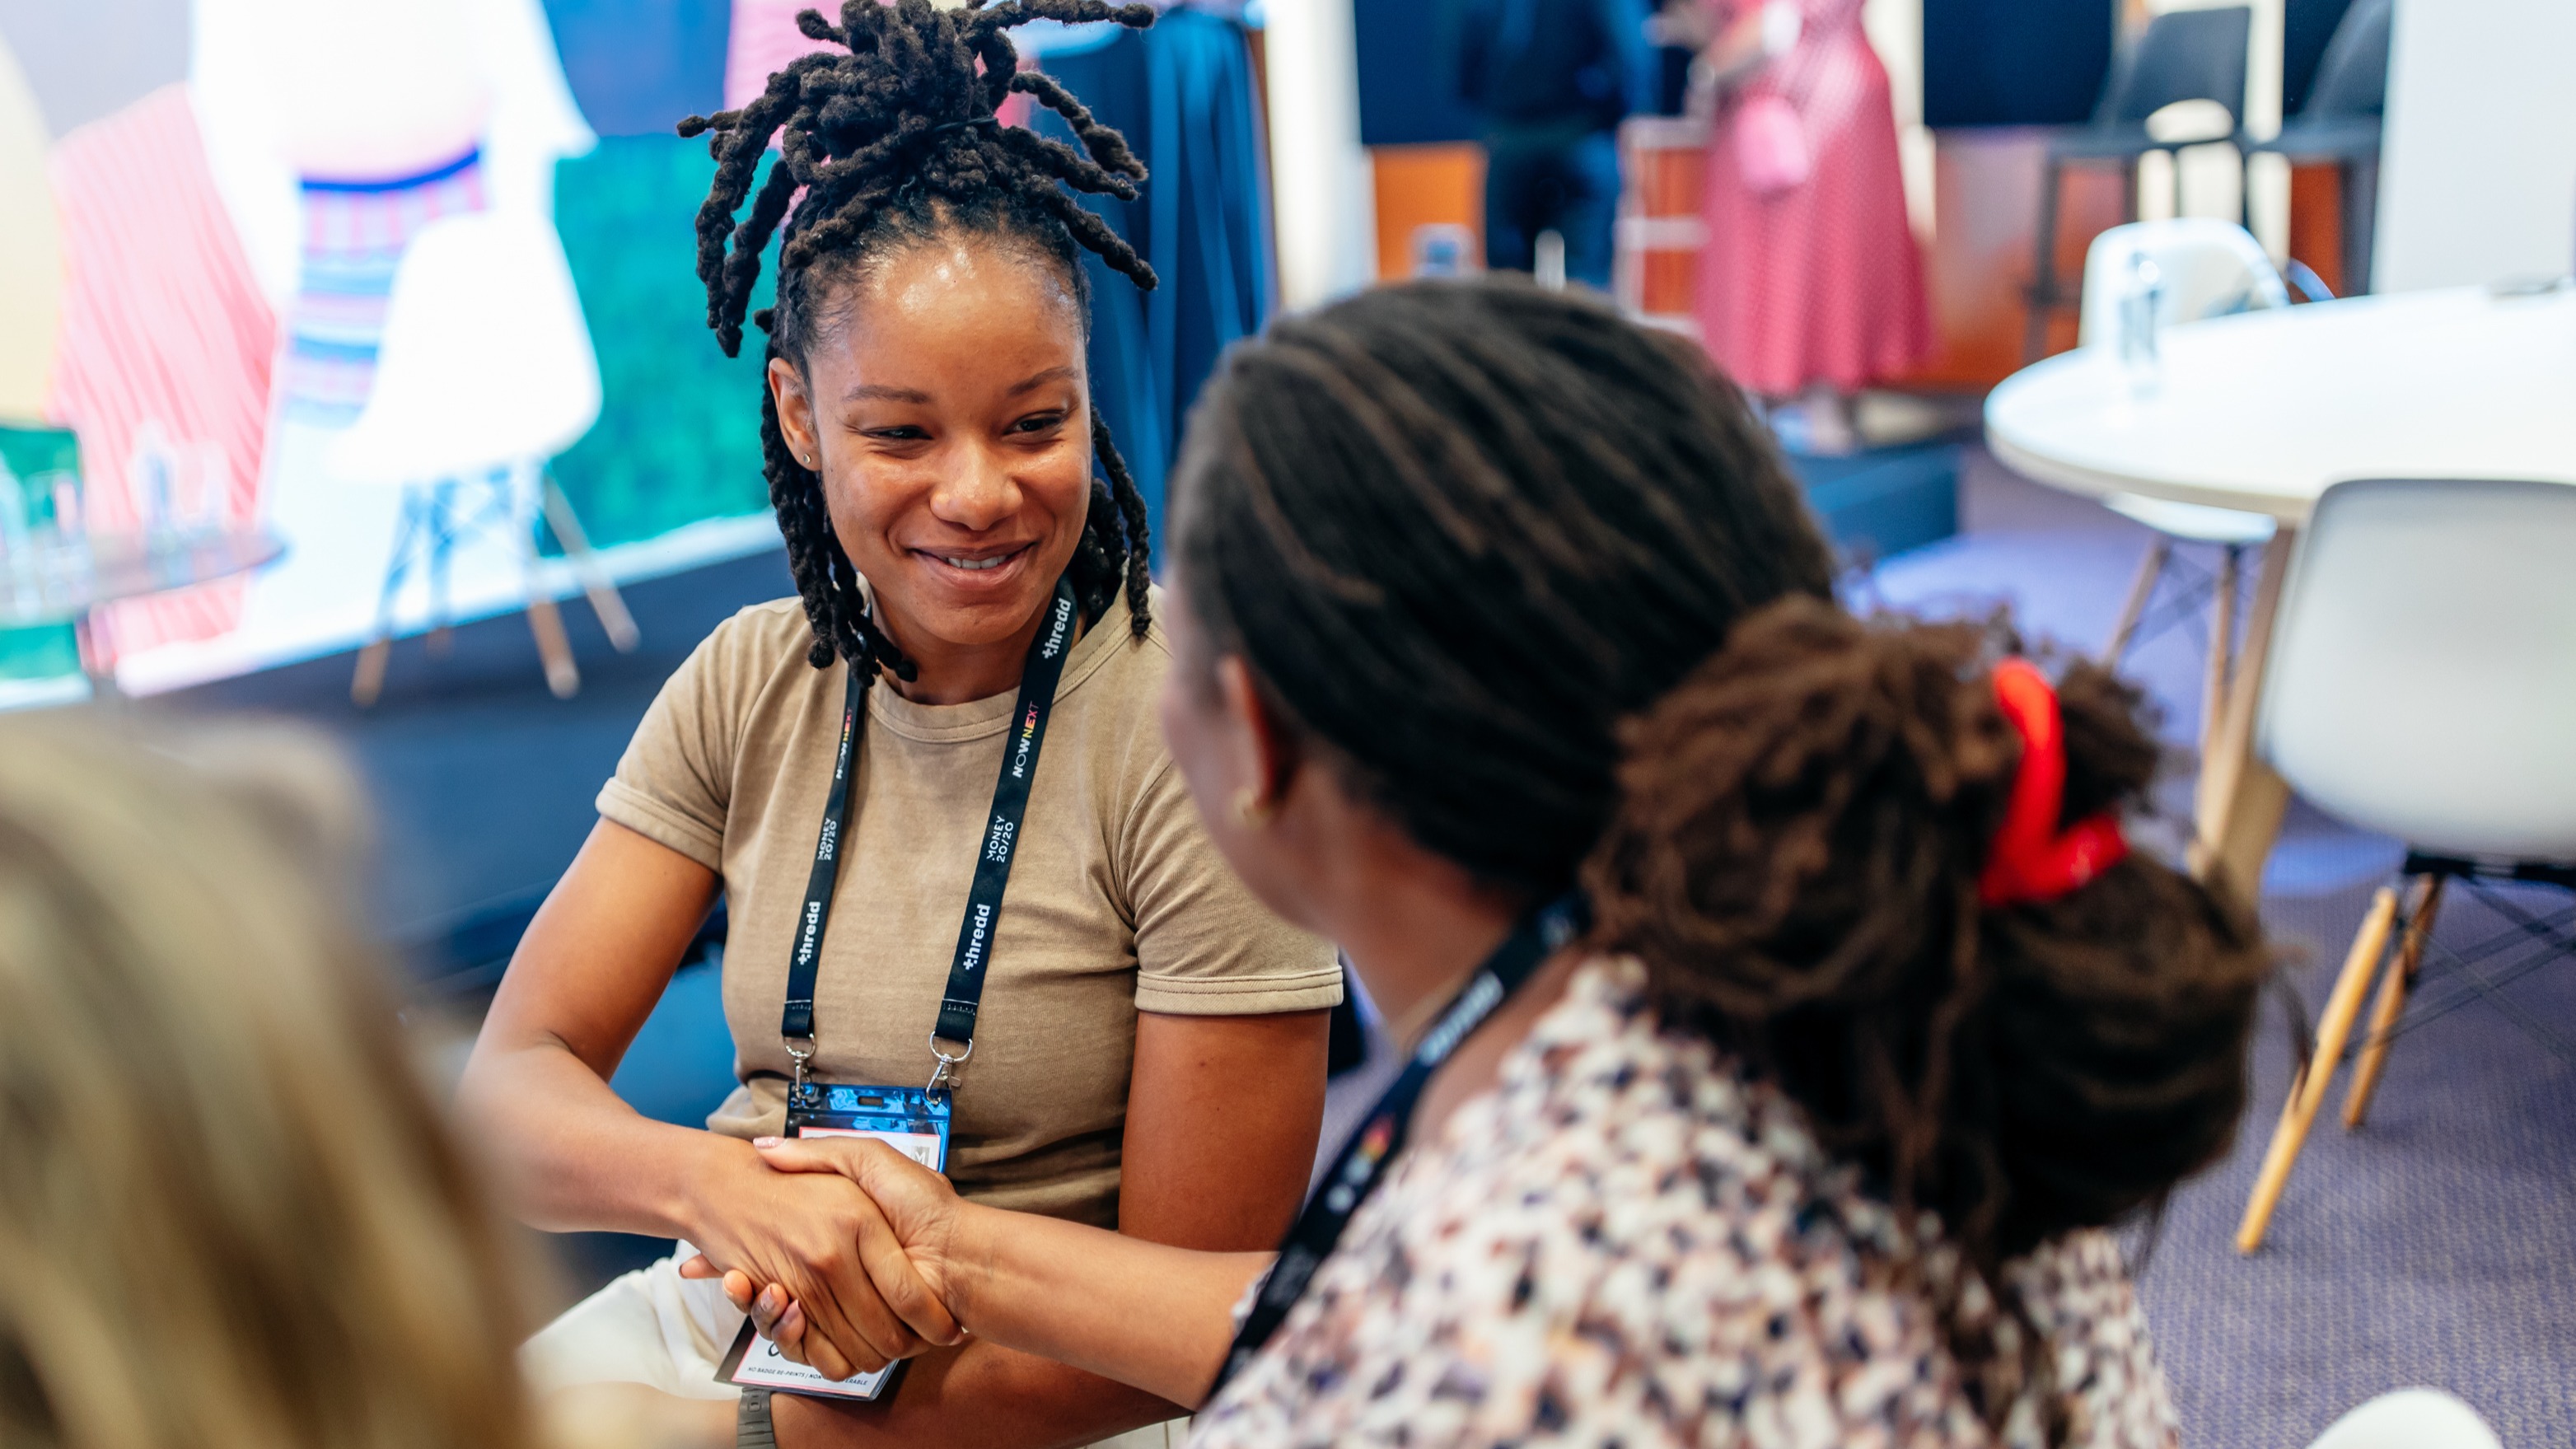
923,1268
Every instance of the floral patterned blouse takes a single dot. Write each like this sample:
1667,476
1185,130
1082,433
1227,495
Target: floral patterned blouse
1627,1242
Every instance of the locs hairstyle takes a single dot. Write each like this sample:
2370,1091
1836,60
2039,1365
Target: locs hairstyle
893,142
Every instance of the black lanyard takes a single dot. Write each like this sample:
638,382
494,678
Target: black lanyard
1371,1151
965,990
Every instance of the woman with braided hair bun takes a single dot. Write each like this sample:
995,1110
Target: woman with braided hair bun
1120,1035
1789,1018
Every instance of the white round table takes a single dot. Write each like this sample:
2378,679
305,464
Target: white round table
2262,412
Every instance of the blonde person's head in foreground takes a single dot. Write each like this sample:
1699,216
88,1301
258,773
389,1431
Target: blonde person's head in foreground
229,1212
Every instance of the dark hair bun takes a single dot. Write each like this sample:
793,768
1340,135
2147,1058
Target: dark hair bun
1795,861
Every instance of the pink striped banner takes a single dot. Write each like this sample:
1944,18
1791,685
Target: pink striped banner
166,342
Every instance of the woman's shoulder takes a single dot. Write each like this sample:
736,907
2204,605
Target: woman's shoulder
1121,665
756,660
1623,1144
1111,684
1628,1234
762,636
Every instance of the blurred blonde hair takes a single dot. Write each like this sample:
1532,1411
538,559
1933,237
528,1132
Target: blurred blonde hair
229,1212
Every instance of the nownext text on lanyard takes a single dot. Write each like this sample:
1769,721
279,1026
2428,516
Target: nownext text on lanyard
965,990
1371,1151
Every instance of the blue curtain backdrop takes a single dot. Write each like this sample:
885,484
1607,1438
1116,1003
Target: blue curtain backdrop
2014,62
637,66
1182,93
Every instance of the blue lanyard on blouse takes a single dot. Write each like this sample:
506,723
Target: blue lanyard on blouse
1368,1154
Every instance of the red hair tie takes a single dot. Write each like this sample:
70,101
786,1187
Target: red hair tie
2031,859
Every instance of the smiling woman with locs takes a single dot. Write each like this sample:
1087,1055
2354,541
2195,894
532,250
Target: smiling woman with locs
1147,1044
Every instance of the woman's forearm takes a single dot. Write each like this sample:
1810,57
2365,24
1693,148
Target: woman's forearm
981,1396
575,1157
1159,1318
584,979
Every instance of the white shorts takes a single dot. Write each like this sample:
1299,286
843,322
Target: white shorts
656,1328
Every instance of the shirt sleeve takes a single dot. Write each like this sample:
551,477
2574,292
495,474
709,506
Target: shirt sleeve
1204,946
675,782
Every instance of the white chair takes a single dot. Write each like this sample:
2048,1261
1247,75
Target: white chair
2423,685
2410,1419
2209,268
486,372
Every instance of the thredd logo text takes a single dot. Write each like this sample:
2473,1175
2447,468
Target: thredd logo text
1054,644
974,957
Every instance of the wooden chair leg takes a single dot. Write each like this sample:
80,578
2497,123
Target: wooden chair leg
2308,1089
2141,590
2239,801
368,682
546,622
2394,985
605,601
2222,646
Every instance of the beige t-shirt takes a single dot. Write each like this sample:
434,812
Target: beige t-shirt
1117,902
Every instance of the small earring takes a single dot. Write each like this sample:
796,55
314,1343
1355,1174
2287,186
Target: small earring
1252,810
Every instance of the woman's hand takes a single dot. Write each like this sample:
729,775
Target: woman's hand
1220,1129
816,1246
919,1205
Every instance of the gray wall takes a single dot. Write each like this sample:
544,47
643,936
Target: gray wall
86,58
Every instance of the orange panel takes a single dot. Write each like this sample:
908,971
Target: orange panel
1669,282
1421,185
1978,267
1666,180
2316,223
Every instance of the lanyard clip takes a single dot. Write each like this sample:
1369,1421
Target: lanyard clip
800,1055
946,1074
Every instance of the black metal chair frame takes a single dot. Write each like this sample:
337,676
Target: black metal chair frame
2153,70
2548,936
2341,125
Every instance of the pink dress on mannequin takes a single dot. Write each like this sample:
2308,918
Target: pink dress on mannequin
1819,282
